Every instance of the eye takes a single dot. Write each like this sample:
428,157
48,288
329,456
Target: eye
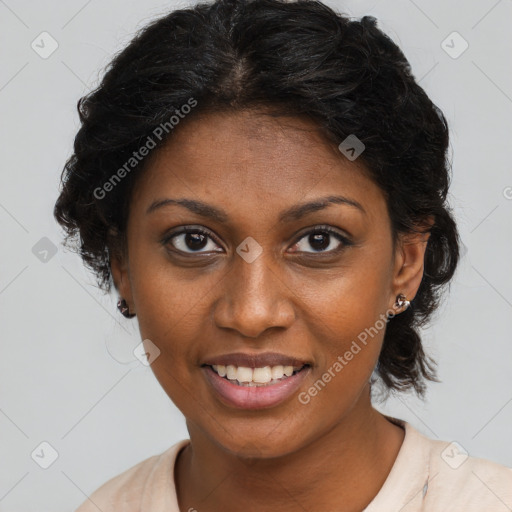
191,240
323,239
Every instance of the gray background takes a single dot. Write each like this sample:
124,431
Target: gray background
67,372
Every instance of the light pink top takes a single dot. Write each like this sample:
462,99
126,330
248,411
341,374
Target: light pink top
427,476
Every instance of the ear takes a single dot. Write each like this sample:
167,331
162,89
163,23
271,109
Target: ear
409,261
121,278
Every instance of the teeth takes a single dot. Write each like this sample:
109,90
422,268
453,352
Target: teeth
277,372
230,371
244,374
262,375
252,376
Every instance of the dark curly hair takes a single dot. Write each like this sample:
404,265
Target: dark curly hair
298,58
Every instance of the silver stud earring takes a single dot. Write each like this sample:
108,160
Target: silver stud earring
122,306
401,301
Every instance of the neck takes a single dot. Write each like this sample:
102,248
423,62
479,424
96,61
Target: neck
348,465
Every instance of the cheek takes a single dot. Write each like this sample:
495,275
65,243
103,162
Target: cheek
350,331
345,314
170,315
348,337
171,302
173,309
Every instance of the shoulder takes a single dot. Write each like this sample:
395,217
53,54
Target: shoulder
456,479
431,475
125,492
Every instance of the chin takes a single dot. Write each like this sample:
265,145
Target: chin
267,443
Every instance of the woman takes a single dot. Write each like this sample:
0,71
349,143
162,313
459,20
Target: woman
264,184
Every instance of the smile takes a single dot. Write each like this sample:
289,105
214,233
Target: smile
250,377
254,388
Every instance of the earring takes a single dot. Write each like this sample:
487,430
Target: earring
401,301
123,308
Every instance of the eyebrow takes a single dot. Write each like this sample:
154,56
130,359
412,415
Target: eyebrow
294,213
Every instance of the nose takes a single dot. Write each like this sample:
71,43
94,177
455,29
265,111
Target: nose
254,298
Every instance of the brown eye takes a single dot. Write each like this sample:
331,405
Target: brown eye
192,240
321,240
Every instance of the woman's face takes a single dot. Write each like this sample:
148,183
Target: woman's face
257,280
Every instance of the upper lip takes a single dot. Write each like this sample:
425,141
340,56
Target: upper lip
255,360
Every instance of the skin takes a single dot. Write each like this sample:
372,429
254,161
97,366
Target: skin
294,299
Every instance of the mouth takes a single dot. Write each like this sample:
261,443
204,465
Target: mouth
254,388
255,377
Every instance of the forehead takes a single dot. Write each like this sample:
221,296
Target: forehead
251,158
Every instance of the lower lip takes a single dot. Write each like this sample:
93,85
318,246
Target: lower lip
254,397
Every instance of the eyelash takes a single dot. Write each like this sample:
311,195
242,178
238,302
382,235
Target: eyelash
345,242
